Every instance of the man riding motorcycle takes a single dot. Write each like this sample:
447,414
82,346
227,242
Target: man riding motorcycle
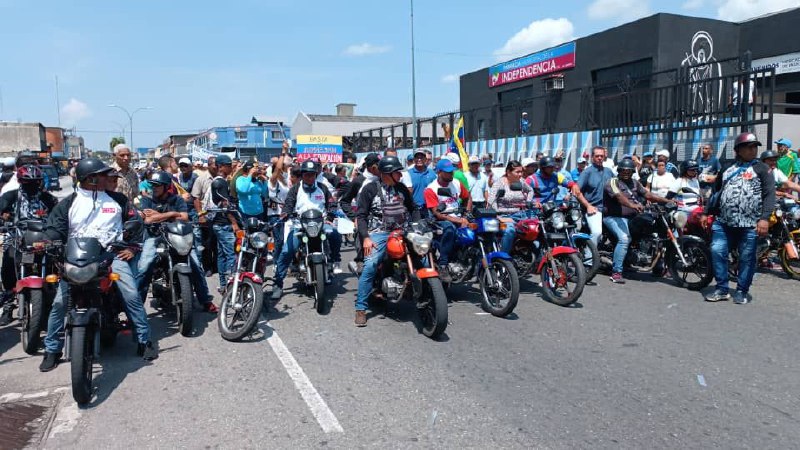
94,212
306,195
28,202
381,206
166,206
624,198
448,218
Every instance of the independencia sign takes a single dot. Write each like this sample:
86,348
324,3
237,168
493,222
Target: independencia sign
326,149
534,65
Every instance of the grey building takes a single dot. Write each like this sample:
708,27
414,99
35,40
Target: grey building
75,148
16,136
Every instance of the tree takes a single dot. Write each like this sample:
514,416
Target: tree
115,141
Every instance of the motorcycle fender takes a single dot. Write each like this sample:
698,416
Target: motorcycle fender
29,283
427,273
563,250
250,276
581,236
689,237
497,255
316,258
182,268
80,318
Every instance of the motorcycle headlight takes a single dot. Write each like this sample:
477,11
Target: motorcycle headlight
312,228
575,215
258,240
679,218
421,243
491,225
181,244
80,275
558,220
778,213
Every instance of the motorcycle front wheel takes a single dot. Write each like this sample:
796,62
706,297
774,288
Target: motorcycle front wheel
590,256
563,279
790,266
501,298
81,360
698,272
237,317
185,311
433,309
31,308
320,301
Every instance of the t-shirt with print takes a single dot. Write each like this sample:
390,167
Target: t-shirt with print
748,194
433,198
632,190
511,201
380,205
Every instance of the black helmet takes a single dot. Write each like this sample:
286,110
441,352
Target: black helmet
160,179
745,139
389,164
309,166
768,154
547,161
689,164
89,167
626,164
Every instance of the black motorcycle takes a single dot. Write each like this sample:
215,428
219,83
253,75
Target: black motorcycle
172,270
658,245
312,256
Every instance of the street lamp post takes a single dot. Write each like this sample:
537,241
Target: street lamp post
130,119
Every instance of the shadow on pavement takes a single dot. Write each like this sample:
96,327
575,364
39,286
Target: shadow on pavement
9,337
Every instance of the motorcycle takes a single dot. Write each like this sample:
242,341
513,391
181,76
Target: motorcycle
93,309
476,256
402,275
36,258
658,242
573,237
243,298
312,255
172,269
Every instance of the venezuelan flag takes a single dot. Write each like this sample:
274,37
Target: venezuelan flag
457,144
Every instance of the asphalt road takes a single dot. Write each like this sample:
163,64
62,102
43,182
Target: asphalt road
644,365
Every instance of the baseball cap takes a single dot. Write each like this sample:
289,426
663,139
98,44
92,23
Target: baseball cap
528,161
488,162
184,160
445,165
647,153
224,160
630,156
420,152
453,157
784,141
581,160
664,153
474,159
410,157
371,159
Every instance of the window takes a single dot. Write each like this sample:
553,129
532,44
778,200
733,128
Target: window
240,135
277,135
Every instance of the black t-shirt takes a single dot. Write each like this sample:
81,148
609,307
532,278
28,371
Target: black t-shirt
632,190
220,195
173,203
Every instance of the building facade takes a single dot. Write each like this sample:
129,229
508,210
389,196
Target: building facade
262,139
16,136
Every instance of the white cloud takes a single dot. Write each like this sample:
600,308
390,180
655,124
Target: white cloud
73,112
693,4
450,78
737,10
540,34
621,10
366,49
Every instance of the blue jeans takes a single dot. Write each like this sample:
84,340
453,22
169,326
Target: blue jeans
507,241
197,232
445,242
290,249
370,269
619,226
277,235
226,256
126,284
723,238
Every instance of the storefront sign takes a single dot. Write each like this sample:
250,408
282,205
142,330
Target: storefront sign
788,63
534,65
326,149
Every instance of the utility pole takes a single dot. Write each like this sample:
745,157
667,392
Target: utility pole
413,86
58,104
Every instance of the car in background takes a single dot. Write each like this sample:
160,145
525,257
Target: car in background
52,178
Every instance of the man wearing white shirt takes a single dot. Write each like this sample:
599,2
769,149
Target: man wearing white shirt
478,183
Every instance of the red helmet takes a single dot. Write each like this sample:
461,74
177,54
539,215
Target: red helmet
29,174
745,139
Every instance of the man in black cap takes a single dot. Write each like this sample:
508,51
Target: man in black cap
224,226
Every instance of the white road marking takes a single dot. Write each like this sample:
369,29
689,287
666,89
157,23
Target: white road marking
10,397
481,314
316,404
36,395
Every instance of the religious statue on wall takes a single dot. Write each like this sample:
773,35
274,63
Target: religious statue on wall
702,71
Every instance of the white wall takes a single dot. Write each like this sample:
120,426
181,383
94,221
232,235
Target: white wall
786,126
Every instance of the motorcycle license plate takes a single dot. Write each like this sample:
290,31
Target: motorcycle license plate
557,236
27,258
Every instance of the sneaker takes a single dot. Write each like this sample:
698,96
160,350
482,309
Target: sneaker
718,296
444,275
148,351
50,361
210,307
616,278
739,297
277,293
337,268
361,318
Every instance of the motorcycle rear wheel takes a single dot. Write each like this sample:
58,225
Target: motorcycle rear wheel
790,266
434,311
500,302
185,311
31,307
320,302
556,286
234,324
81,361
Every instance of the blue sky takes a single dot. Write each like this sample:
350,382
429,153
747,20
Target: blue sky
201,63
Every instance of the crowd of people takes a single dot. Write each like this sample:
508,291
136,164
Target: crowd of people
377,193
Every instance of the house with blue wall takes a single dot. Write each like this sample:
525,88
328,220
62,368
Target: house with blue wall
262,138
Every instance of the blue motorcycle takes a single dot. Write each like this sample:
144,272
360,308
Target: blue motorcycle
476,256
568,232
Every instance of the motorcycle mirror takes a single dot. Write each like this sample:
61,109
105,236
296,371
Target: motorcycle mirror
132,230
516,186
